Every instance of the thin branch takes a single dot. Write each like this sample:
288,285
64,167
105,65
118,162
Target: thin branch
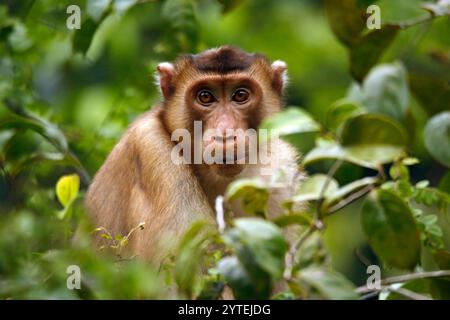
317,223
418,21
293,251
405,278
334,168
408,293
352,198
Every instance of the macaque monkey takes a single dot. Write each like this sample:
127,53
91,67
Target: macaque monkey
223,88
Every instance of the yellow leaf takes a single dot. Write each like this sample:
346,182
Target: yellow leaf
67,189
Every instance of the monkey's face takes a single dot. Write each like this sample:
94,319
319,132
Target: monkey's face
221,96
226,107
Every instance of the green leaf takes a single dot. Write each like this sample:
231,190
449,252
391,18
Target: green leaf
295,126
437,137
182,21
97,8
258,242
291,121
329,149
122,6
67,189
385,90
365,53
373,138
285,220
431,91
330,284
346,20
340,111
311,188
444,184
83,37
45,129
252,192
244,287
391,229
229,5
189,256
368,140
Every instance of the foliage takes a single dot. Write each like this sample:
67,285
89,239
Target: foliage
67,95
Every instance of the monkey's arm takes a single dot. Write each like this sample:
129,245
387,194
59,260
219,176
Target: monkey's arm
140,183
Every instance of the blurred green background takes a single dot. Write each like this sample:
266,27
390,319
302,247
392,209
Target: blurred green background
92,84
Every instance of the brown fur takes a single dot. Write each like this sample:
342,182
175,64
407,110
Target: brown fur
138,181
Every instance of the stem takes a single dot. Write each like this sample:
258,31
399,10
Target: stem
417,21
405,278
316,224
294,248
353,197
408,293
334,168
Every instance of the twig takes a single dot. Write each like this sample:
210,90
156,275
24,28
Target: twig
364,260
406,277
293,251
353,197
334,168
418,21
408,293
317,223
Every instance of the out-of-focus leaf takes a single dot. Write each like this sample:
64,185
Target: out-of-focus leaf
311,188
432,92
258,242
391,229
182,20
444,184
67,189
189,255
291,121
47,130
252,193
289,219
385,90
442,8
229,5
346,20
368,140
373,138
295,126
340,111
330,284
437,137
328,149
365,53
244,287
83,37
97,8
122,6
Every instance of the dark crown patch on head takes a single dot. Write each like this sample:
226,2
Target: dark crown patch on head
223,60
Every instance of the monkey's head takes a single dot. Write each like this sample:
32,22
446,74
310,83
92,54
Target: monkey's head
226,89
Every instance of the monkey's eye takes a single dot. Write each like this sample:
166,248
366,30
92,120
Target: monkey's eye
240,95
205,97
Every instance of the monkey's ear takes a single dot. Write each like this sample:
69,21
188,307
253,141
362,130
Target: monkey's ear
164,78
279,72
